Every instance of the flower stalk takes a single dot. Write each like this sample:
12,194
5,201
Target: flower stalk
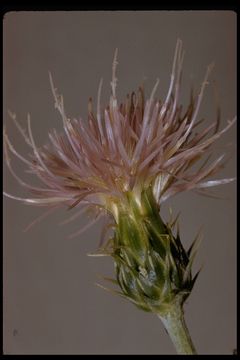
177,330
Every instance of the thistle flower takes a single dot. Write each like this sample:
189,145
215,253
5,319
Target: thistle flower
123,164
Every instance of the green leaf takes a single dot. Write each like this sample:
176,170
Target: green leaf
156,238
130,235
158,266
196,243
194,279
151,209
148,288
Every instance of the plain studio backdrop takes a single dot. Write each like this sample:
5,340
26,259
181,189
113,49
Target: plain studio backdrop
51,302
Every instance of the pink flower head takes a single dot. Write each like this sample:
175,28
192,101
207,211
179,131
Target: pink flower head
125,147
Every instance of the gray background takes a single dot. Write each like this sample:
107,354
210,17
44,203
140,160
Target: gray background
51,304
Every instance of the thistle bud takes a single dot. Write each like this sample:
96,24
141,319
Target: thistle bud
152,267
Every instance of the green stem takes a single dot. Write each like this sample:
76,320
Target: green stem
177,329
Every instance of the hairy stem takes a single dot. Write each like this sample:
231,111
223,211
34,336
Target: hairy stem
176,328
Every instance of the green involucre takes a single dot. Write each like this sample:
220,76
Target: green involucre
152,267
